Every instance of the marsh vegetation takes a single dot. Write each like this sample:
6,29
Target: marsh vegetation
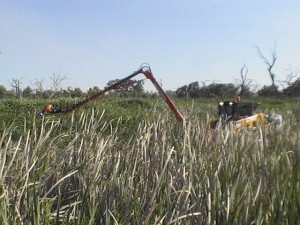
130,162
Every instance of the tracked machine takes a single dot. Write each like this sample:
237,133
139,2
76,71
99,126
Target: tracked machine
238,115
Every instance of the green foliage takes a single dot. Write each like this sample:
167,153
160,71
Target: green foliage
131,86
293,89
268,91
27,92
3,91
128,161
217,90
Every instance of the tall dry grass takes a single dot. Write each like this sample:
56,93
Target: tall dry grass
81,171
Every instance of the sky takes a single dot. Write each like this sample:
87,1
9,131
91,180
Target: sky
91,42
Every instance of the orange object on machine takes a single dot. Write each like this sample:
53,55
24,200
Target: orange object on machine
48,107
143,70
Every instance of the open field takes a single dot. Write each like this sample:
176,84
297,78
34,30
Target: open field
130,162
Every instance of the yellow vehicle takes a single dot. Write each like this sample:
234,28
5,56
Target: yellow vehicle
244,115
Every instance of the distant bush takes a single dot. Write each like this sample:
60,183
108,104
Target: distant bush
268,91
293,90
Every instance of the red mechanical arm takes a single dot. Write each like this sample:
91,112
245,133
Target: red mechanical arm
143,70
171,105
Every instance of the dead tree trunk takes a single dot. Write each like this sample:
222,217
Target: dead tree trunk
16,85
270,63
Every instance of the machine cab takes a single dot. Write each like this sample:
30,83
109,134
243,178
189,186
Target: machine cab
236,110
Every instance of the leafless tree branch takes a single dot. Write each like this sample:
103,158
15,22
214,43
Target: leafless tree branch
290,77
270,63
57,80
16,85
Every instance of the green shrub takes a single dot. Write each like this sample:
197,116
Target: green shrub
119,162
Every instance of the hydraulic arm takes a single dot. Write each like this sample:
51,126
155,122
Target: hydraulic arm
143,70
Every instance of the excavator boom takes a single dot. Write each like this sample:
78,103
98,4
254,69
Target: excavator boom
143,70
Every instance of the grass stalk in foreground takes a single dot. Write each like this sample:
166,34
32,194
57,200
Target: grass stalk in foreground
82,171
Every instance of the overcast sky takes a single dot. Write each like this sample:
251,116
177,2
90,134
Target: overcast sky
93,42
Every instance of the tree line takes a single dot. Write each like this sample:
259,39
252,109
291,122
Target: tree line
39,90
244,88
227,91
290,87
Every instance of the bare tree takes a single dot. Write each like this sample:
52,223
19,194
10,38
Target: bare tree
270,63
57,80
39,88
244,83
291,76
16,85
